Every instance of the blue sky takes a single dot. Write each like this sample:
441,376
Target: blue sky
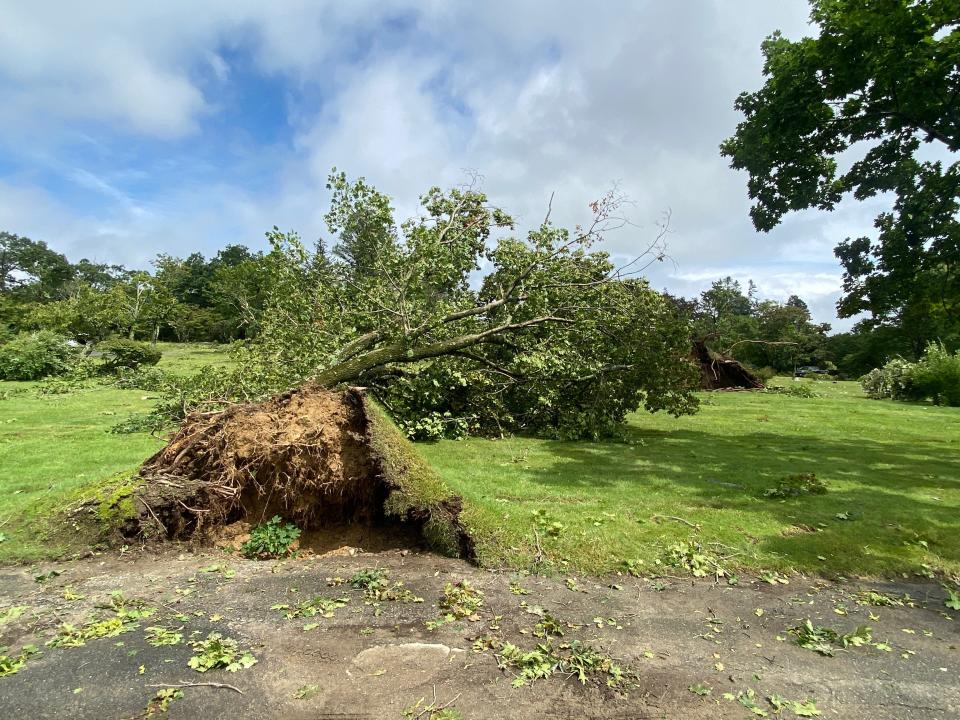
131,129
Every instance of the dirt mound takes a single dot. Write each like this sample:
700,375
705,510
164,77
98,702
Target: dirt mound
721,372
314,456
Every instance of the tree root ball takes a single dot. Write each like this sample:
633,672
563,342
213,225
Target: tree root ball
314,456
720,372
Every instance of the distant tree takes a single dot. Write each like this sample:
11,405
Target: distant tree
31,270
98,276
864,348
725,298
236,292
231,256
141,304
761,333
186,279
723,314
788,336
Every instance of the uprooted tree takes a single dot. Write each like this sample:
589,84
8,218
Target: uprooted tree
554,338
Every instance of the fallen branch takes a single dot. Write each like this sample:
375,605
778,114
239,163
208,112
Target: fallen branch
677,519
223,686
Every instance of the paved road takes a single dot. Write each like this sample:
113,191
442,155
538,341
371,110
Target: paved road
374,661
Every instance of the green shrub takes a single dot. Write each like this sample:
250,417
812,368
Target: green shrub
32,356
937,376
894,380
272,539
121,353
765,373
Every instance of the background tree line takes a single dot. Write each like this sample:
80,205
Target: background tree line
182,299
223,298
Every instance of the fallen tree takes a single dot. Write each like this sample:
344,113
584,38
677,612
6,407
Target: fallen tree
555,339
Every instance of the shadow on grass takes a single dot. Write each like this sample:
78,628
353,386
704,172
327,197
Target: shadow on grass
901,499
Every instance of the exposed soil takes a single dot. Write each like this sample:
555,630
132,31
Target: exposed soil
373,661
313,456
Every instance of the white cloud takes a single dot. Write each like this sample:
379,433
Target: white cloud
569,99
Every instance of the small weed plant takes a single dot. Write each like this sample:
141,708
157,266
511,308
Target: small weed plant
882,599
376,586
423,710
159,637
160,703
10,664
272,539
692,556
322,606
953,598
459,600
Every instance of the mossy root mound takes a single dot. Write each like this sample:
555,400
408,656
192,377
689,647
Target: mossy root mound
314,456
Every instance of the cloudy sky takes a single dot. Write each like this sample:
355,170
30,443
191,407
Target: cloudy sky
130,129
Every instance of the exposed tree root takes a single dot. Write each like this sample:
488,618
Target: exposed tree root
314,456
720,372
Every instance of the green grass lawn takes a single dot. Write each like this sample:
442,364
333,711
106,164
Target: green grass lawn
892,469
53,446
187,358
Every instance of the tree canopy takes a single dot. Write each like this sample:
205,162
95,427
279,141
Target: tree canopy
458,325
871,106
